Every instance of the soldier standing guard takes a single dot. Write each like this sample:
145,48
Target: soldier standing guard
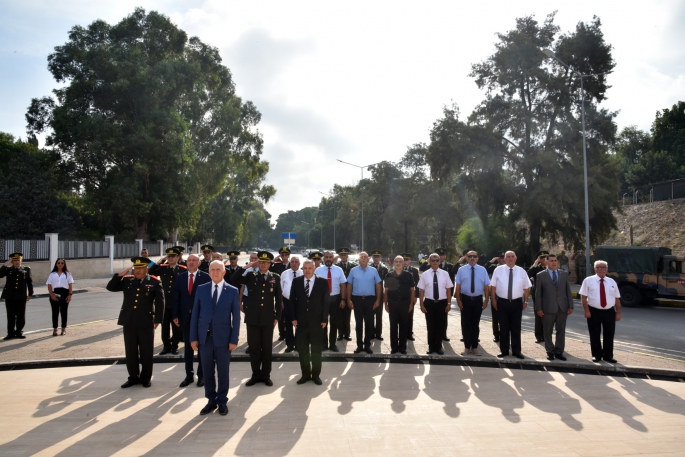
140,314
539,265
168,272
279,265
231,268
263,309
378,312
207,250
345,313
18,290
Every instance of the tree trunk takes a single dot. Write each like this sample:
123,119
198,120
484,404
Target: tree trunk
534,241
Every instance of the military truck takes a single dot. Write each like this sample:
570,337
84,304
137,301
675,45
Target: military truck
644,273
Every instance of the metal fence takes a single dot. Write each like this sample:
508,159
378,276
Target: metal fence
83,249
152,248
125,250
31,249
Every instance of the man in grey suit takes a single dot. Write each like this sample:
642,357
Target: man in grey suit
553,303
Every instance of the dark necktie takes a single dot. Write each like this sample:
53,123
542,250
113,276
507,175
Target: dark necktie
306,288
330,281
602,296
555,278
436,290
473,280
511,283
215,297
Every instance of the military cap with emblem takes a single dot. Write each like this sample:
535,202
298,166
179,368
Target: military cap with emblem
265,256
343,251
406,256
16,255
315,255
376,252
441,251
284,250
232,254
173,251
207,247
543,253
179,248
140,262
500,254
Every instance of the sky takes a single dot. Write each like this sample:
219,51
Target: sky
358,81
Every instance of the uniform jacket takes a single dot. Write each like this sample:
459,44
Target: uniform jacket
143,302
19,281
225,318
346,268
183,301
532,274
204,266
263,302
550,298
313,309
168,275
415,274
228,276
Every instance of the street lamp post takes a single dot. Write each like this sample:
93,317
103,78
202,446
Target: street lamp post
361,167
550,53
334,210
307,233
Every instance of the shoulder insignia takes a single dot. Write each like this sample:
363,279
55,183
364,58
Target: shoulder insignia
154,277
128,276
164,265
183,266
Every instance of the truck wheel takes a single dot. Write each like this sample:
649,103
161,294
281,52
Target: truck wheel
630,296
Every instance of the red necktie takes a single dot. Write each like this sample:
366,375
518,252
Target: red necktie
330,281
190,284
602,296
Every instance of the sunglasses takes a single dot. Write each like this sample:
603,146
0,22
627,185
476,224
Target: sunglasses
472,256
433,260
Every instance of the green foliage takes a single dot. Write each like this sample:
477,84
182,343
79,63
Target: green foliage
472,235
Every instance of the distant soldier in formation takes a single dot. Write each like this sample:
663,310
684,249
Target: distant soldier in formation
346,313
18,290
539,265
141,312
415,274
231,268
317,257
207,251
490,267
376,256
168,271
251,265
278,266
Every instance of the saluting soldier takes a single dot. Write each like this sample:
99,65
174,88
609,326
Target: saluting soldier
345,313
539,265
207,251
18,290
376,255
263,309
231,268
278,266
449,268
415,274
180,250
168,270
141,313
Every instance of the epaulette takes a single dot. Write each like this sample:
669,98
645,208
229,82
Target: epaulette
26,267
163,264
182,266
154,277
128,276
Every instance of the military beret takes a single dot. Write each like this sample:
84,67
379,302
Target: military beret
543,253
16,255
284,250
343,251
232,254
207,247
140,262
265,256
441,251
376,252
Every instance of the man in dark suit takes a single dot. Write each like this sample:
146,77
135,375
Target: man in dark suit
263,308
167,270
184,299
415,274
553,304
539,265
18,290
214,328
141,313
309,301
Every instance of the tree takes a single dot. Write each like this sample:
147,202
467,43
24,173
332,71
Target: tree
148,121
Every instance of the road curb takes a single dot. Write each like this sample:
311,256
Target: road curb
75,291
600,369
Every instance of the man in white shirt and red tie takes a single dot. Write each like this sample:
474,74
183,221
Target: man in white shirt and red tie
287,278
602,303
435,293
510,287
336,290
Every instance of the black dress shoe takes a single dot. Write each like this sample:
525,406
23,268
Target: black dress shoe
596,359
289,349
187,381
347,338
368,351
247,350
358,350
8,337
560,357
609,359
538,340
223,410
429,352
411,338
444,338
403,352
200,382
208,409
394,351
550,356
251,382
268,382
165,351
495,340
146,383
333,348
440,352
20,336
502,355
130,383
317,380
339,338
303,379
174,351
519,356
379,338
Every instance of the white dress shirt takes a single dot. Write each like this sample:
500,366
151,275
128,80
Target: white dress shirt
56,280
500,280
590,289
287,278
337,277
426,284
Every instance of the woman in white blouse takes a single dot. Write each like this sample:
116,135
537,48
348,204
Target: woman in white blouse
60,284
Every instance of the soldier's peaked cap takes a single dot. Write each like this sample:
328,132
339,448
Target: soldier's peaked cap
233,253
180,248
441,251
343,250
315,255
173,251
376,252
207,247
406,256
265,256
284,250
543,253
140,262
16,255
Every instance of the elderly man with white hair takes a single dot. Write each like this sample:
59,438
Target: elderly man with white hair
602,303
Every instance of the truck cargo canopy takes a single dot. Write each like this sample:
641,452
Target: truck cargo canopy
632,259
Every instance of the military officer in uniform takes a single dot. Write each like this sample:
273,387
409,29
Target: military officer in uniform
539,265
449,268
18,290
141,313
490,268
263,309
317,257
377,263
207,251
279,265
415,274
167,271
231,268
345,313
180,250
